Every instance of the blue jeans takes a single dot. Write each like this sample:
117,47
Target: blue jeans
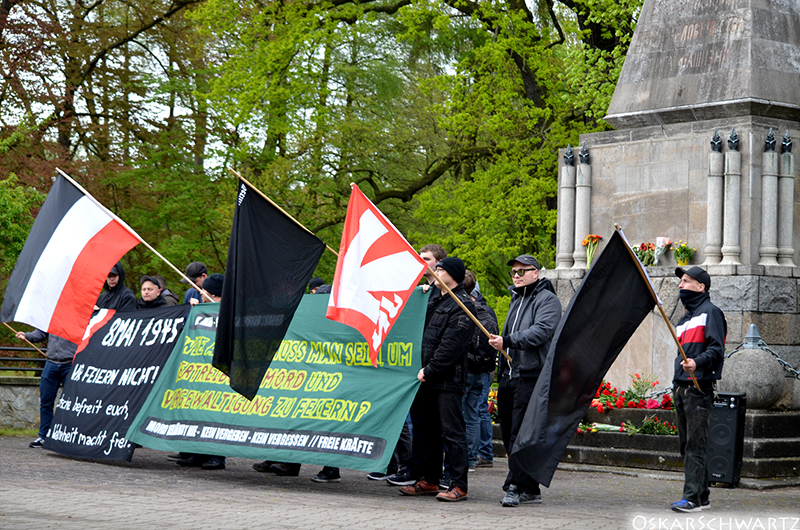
53,376
693,409
475,407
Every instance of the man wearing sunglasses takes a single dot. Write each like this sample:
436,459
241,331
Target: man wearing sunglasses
532,319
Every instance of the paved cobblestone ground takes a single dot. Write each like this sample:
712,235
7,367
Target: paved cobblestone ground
40,489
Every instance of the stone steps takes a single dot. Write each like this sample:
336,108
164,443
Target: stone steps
771,444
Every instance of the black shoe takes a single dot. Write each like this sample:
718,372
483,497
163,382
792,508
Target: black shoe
401,478
377,475
214,463
285,470
328,474
264,466
38,442
179,456
192,461
444,483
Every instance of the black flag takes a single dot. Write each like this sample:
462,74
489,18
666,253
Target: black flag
609,305
270,261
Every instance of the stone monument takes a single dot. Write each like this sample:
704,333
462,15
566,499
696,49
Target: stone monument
705,112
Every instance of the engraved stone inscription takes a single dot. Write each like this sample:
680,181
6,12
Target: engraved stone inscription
642,178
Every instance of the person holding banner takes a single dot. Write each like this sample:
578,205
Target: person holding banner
532,319
213,286
56,370
151,293
701,331
437,408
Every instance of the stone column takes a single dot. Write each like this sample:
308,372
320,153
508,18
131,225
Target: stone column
786,204
769,203
566,212
714,213
583,208
733,191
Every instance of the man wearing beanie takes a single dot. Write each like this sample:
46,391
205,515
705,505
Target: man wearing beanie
532,318
437,408
701,332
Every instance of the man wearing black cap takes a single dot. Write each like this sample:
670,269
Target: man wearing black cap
532,319
197,272
701,332
437,407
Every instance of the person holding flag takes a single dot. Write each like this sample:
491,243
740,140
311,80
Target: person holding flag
532,319
437,407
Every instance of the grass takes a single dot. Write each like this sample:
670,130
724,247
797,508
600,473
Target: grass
9,431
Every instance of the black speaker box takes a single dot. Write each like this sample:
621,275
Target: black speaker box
726,438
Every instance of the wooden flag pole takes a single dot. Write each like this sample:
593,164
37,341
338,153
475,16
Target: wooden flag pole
26,340
284,212
134,234
467,311
658,301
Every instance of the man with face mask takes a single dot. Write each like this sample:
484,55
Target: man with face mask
701,332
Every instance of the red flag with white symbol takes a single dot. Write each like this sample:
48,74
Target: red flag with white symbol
376,272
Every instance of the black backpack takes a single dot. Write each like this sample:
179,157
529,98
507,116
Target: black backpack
481,357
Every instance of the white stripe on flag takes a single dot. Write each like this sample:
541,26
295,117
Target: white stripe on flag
81,223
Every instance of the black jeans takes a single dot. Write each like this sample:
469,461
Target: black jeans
693,409
521,388
438,418
505,410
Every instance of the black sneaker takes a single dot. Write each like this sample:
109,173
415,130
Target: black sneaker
684,506
214,463
328,474
377,475
38,442
530,498
264,466
511,498
444,483
401,478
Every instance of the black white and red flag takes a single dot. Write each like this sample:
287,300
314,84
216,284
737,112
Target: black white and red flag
61,270
376,272
611,302
270,261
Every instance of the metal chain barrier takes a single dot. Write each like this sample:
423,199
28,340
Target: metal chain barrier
788,368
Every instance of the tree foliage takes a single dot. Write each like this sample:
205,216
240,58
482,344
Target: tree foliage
448,113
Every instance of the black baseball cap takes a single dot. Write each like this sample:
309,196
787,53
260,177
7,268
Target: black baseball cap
525,259
697,273
193,270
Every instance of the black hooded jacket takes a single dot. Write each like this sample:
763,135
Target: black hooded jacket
120,297
530,324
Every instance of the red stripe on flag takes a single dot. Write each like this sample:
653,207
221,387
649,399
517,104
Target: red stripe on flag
76,303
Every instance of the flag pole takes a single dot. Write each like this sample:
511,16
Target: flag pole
284,212
26,340
467,311
133,233
658,301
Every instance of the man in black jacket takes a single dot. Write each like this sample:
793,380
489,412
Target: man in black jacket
532,319
701,332
437,408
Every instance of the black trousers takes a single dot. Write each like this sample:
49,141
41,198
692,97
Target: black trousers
521,389
438,419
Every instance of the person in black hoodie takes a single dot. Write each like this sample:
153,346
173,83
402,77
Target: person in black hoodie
151,293
701,332
116,296
532,319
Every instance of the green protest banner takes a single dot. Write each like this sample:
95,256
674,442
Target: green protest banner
320,402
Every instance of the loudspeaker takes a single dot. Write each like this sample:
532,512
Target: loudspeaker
726,438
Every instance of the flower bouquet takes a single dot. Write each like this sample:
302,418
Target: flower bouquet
591,242
683,253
